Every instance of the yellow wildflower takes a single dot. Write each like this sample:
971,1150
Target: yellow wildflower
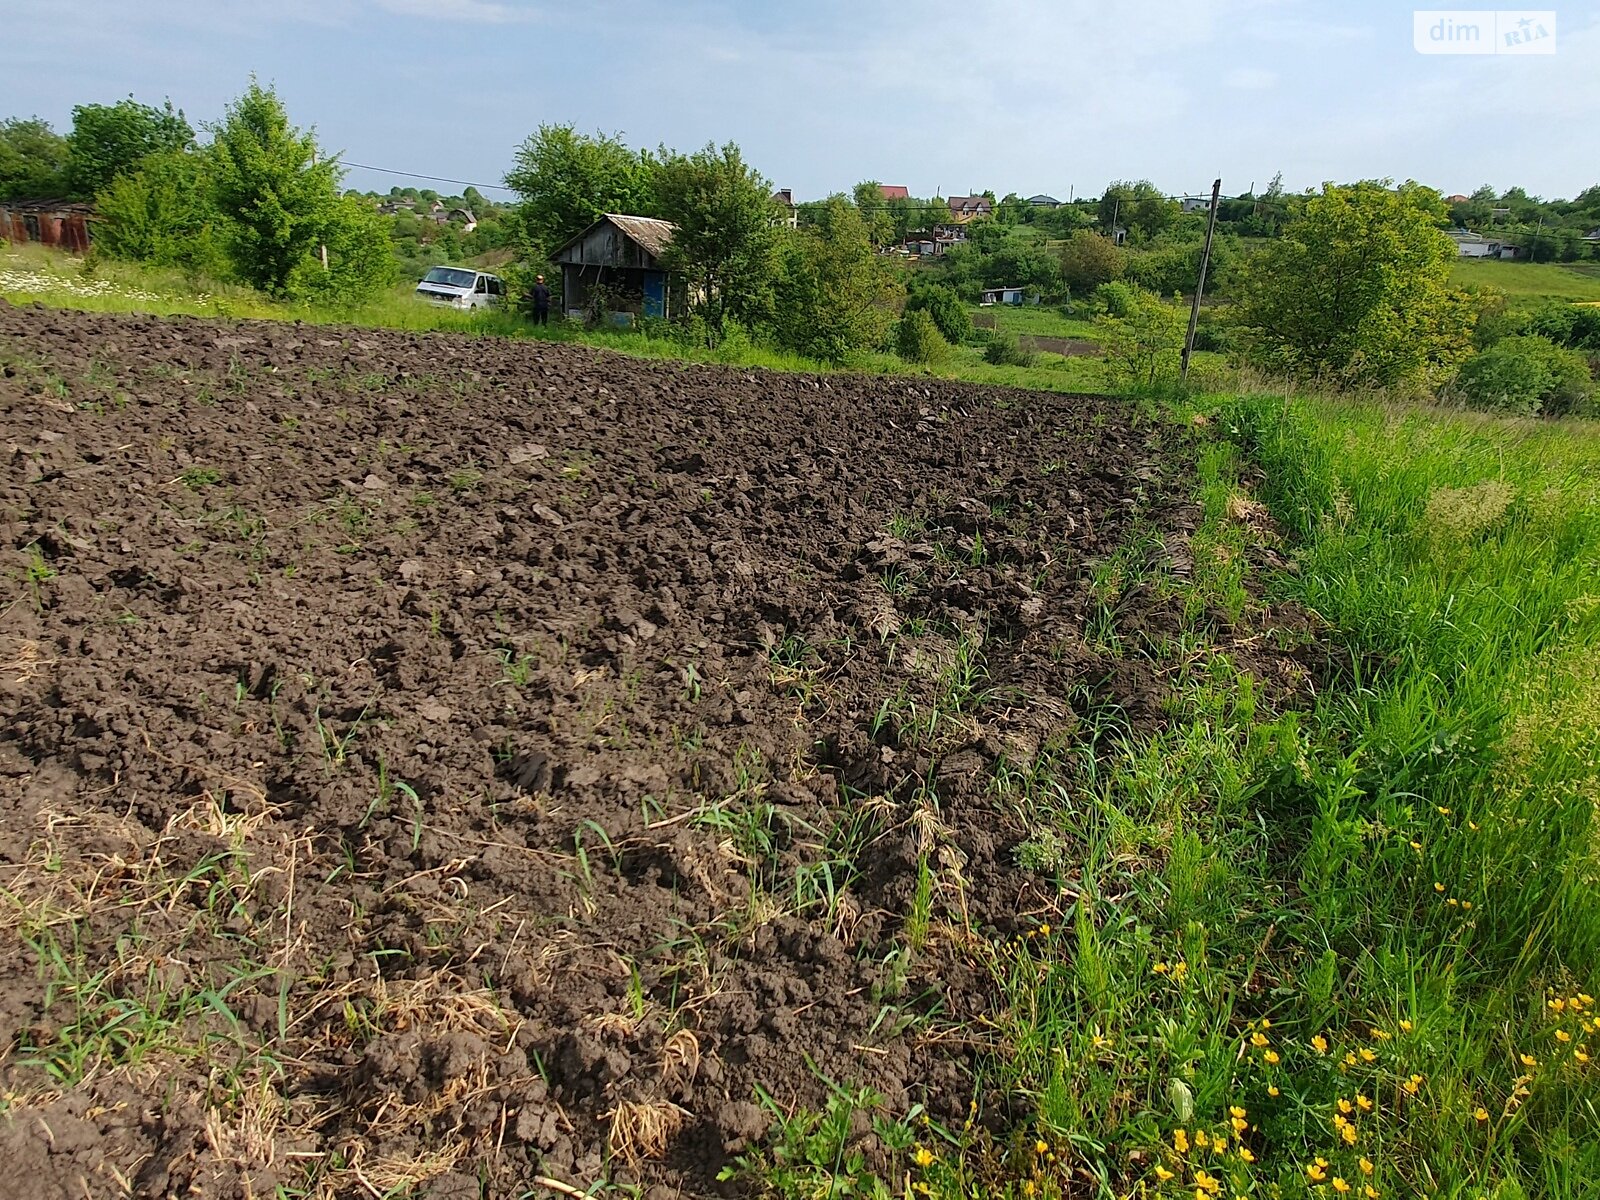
1266,1023
1481,1115
1180,1141
1563,1036
1028,1188
1271,1057
1206,1183
1040,1146
1586,998
1528,1060
921,1188
1159,969
1453,902
1370,1192
1411,1085
1368,1056
923,1157
1235,1111
1348,1133
1272,1090
1162,1174
1044,930
1443,811
1339,1185
1406,1027
1344,1106
1179,970
1380,1035
1581,1053
1364,1103
1466,904
1557,1004
1201,1139
1315,1173
1244,1153
1259,1039
1365,1164
1240,1125
1319,1044
1437,886
1472,825
1416,846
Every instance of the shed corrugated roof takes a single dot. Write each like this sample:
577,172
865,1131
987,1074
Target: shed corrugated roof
650,233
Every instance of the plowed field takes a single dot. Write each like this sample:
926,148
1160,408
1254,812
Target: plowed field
429,764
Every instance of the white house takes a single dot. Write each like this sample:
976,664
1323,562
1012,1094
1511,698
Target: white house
1194,204
1002,295
1474,245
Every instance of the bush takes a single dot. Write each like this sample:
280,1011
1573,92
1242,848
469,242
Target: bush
1143,345
1115,299
945,307
1003,350
918,339
1527,375
1088,260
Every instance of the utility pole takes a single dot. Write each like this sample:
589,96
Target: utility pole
322,247
1200,285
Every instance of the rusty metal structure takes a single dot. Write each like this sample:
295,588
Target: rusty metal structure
61,224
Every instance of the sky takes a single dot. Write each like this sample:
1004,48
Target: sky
1055,96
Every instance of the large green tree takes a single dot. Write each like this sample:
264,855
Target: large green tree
1357,290
833,295
277,192
1088,260
876,215
567,179
110,140
33,160
726,232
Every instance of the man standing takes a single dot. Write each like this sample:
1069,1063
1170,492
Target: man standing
541,301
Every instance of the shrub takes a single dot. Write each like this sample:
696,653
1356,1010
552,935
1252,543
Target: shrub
1527,375
1003,350
1143,345
1115,299
918,339
1088,260
945,307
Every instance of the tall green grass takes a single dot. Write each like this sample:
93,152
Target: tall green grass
1353,944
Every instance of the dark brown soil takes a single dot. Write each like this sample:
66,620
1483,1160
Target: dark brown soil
432,762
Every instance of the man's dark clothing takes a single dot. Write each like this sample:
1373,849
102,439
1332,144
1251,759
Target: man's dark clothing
541,304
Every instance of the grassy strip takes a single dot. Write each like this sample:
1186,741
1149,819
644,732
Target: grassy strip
1342,951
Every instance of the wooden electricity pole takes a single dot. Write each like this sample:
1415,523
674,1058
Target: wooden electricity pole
1200,284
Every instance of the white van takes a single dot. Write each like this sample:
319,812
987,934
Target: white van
462,287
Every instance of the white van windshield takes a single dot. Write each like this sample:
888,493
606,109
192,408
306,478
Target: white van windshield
450,277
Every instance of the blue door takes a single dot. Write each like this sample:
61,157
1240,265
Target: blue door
655,294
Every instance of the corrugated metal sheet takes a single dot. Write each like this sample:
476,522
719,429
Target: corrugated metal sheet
61,224
650,233
620,241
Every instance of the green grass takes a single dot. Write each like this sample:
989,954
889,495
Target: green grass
1041,319
1578,282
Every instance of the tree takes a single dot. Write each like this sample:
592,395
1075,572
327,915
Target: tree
33,160
1138,205
725,235
1358,288
162,214
1088,260
918,340
945,307
278,194
875,212
567,180
1144,343
360,259
110,140
832,295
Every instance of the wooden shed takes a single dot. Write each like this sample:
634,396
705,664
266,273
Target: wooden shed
618,258
58,223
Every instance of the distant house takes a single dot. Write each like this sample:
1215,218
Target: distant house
1002,295
1592,236
893,191
1475,245
618,260
1458,198
970,208
58,223
1194,204
1043,201
788,213
1119,235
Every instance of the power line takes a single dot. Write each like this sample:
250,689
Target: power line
433,178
